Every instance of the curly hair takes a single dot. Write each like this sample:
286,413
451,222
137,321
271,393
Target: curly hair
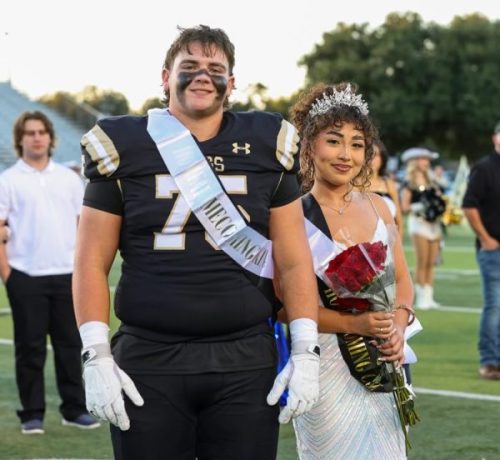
309,128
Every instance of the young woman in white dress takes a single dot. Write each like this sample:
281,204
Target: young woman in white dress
349,422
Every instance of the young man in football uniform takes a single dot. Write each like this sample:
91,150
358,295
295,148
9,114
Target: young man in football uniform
194,197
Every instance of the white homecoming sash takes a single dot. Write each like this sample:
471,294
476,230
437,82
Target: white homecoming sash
206,197
323,249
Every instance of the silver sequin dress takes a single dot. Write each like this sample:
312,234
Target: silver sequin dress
348,422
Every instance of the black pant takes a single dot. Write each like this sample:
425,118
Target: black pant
43,305
221,416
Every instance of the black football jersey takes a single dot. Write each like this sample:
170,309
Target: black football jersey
175,283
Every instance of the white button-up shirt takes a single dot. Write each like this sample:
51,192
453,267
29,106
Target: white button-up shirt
41,209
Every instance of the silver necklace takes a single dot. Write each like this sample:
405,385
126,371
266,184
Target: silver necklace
339,211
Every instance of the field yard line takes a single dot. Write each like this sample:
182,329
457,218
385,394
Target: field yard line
471,248
450,308
456,394
459,271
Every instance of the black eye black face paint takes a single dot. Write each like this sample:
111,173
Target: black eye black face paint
185,78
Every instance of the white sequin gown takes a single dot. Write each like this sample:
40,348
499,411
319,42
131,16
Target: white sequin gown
348,422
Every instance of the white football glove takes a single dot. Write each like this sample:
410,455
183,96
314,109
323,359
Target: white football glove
301,373
104,384
301,376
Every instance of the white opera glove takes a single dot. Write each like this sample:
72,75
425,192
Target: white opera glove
301,373
105,384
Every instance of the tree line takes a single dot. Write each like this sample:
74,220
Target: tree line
426,84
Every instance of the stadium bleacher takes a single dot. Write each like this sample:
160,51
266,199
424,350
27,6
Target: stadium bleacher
12,104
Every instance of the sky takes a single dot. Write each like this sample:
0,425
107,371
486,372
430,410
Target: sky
65,45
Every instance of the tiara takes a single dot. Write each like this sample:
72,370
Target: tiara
337,98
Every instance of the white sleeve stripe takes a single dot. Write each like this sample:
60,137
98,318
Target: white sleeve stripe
287,145
102,151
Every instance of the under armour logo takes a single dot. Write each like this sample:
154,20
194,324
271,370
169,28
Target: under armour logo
245,148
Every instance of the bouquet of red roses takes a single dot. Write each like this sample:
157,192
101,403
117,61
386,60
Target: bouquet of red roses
358,274
361,278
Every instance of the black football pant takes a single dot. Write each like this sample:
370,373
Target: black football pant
41,306
204,417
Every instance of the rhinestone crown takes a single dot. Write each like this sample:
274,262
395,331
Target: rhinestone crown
345,97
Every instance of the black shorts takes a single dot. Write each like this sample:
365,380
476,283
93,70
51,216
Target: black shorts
217,416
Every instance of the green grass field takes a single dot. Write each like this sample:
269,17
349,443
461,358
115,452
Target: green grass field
452,427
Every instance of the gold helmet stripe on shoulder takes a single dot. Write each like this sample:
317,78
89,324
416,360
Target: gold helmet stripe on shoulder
287,145
102,150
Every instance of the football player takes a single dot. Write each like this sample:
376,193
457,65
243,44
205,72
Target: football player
190,372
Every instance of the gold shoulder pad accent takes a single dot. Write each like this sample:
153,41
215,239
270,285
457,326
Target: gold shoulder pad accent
287,145
101,150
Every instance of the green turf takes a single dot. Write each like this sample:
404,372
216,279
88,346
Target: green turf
455,429
58,441
451,428
447,353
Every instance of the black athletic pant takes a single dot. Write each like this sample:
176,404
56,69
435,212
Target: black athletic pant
204,417
41,306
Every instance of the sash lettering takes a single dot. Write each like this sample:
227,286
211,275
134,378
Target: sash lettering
206,197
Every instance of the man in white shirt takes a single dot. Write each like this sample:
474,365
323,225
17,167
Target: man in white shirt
41,202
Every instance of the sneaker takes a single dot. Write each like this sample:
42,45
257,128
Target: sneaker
489,372
83,421
33,426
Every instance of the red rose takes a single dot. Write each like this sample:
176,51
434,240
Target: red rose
353,269
378,253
